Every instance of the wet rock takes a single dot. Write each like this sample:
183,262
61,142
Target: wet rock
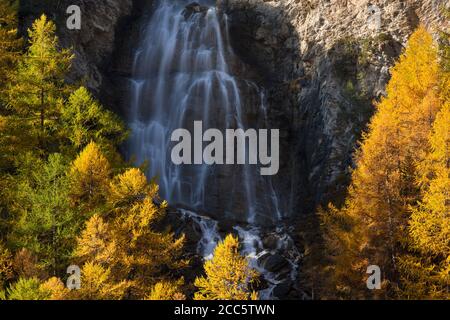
282,289
284,273
274,263
226,226
194,8
291,44
270,242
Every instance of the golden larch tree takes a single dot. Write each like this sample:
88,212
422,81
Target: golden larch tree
383,184
228,274
89,177
125,239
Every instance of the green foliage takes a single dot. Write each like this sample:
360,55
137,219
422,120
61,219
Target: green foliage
47,223
85,120
47,191
6,270
26,289
38,87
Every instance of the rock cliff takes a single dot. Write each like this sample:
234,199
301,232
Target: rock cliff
322,63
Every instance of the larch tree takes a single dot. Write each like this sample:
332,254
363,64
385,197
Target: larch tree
56,289
228,274
99,284
6,268
46,223
89,177
125,238
96,242
426,268
38,87
10,50
383,184
85,120
167,290
25,289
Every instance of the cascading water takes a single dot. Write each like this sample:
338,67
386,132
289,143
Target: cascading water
185,71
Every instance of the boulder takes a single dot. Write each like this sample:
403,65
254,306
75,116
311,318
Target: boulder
274,263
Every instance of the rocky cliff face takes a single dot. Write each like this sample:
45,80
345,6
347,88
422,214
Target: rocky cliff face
101,33
323,62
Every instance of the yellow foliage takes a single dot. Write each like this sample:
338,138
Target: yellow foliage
56,288
383,184
228,275
96,242
140,247
89,176
129,187
429,226
167,290
97,284
6,268
125,239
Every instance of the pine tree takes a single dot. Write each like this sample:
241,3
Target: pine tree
38,87
46,223
89,177
383,184
85,120
228,275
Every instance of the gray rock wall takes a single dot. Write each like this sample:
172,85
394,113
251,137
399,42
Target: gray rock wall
323,62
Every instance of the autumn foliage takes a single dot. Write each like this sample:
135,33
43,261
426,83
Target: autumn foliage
396,212
67,196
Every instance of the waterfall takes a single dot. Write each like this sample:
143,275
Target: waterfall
185,71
